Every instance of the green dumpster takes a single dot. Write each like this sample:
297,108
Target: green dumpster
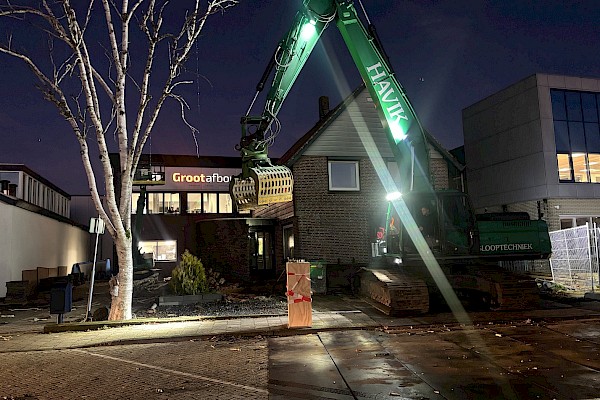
318,277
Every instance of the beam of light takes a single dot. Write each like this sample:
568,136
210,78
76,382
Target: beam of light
424,251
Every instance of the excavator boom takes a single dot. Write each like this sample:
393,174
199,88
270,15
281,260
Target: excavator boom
262,183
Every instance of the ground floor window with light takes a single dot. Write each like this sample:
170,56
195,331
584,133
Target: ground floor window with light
161,250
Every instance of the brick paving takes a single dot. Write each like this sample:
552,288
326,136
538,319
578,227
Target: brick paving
183,370
194,359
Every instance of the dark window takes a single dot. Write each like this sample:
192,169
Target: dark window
561,134
592,137
573,100
558,105
590,110
577,136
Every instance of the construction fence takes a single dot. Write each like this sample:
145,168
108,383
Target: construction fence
574,262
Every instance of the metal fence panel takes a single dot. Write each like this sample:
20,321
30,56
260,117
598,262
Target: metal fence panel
574,260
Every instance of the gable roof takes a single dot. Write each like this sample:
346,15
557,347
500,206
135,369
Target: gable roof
302,144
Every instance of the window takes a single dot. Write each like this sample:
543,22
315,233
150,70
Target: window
171,203
157,203
579,167
194,203
594,163
225,204
576,118
567,222
154,204
209,201
565,173
343,175
162,250
288,242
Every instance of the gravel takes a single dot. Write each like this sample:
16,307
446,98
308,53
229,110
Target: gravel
231,306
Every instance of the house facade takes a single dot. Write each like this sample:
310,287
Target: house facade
339,200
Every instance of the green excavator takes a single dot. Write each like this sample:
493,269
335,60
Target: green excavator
466,245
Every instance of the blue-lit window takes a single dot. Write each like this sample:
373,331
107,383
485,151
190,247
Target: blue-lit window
577,135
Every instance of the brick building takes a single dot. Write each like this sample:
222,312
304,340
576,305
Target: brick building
339,200
337,206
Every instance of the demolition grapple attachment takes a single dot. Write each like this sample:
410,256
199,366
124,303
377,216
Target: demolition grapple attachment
264,185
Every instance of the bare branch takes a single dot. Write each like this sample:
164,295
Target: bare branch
184,106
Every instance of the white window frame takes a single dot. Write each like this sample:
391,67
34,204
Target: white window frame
340,188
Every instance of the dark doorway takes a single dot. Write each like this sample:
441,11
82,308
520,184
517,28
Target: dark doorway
261,253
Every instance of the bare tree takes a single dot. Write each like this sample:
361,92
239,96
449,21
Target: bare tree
100,107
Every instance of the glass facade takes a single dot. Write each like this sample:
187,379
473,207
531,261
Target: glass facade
576,118
190,203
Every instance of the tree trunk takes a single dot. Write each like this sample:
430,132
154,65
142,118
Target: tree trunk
120,308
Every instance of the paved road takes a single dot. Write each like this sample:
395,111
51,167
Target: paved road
525,361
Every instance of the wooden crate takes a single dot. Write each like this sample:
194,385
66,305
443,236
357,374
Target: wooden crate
30,275
45,272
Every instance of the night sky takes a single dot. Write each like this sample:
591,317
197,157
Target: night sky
447,55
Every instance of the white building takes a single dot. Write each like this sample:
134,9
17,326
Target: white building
35,229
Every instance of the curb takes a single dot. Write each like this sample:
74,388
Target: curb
97,325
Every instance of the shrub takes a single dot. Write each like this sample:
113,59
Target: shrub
189,276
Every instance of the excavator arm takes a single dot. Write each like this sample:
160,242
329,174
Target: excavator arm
262,183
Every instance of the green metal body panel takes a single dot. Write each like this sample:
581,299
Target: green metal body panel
519,239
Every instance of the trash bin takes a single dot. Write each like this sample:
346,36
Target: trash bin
318,277
61,298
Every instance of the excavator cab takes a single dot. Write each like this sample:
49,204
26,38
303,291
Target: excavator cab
444,219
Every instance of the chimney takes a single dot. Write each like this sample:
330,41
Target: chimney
323,106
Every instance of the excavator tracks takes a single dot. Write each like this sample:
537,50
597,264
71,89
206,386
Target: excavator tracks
496,287
396,292
393,291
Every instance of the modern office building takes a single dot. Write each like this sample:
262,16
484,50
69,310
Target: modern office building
188,207
535,146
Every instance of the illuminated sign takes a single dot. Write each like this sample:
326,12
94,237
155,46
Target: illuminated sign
200,178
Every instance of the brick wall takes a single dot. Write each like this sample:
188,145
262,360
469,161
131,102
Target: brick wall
334,226
439,173
223,245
